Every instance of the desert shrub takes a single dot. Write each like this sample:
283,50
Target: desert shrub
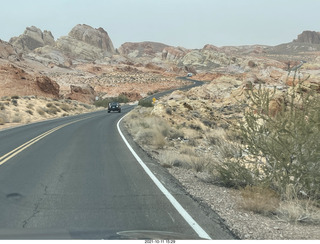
259,199
29,112
50,105
41,111
52,110
16,118
122,99
65,107
151,137
293,209
86,106
232,173
145,103
280,149
14,102
3,118
169,111
2,107
30,106
185,160
104,102
15,97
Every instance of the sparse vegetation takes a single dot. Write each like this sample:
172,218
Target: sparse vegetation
41,111
104,102
30,108
3,118
259,200
275,147
145,103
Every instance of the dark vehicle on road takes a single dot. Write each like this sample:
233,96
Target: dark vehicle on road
114,106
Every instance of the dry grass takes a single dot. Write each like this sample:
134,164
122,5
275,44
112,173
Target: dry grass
149,130
296,209
21,110
185,160
259,200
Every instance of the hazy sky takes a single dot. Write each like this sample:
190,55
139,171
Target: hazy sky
187,23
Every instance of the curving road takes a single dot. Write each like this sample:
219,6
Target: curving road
76,178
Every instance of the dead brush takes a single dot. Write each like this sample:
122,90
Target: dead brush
296,210
259,200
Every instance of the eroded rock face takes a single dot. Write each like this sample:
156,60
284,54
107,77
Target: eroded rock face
31,39
141,49
84,93
174,53
86,43
7,50
95,37
48,86
17,81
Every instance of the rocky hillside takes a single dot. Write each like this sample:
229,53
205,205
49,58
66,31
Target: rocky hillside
83,43
85,64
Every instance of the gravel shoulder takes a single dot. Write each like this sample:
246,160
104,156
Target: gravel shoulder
245,224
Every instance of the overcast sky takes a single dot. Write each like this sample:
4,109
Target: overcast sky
186,23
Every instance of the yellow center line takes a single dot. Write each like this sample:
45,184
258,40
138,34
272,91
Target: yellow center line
19,149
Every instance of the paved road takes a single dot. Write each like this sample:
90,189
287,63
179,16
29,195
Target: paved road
75,178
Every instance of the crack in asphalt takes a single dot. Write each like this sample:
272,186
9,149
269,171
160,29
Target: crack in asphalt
36,207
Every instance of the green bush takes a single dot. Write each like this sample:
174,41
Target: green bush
281,149
104,102
145,103
280,145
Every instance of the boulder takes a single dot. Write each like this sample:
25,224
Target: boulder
48,86
85,94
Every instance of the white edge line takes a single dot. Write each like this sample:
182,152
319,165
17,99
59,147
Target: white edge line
194,225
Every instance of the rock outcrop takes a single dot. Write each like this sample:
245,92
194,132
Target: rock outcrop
86,43
31,39
48,86
174,53
84,93
142,49
16,81
7,50
311,37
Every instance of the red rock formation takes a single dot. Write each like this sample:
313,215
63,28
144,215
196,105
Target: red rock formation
16,81
132,96
84,94
48,86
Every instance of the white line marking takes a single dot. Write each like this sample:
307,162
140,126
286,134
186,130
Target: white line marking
194,225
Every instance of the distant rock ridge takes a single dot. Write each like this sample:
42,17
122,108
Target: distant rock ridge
83,42
310,37
141,49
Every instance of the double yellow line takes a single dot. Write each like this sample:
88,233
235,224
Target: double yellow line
19,149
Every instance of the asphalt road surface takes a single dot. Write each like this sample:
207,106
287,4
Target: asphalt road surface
76,178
